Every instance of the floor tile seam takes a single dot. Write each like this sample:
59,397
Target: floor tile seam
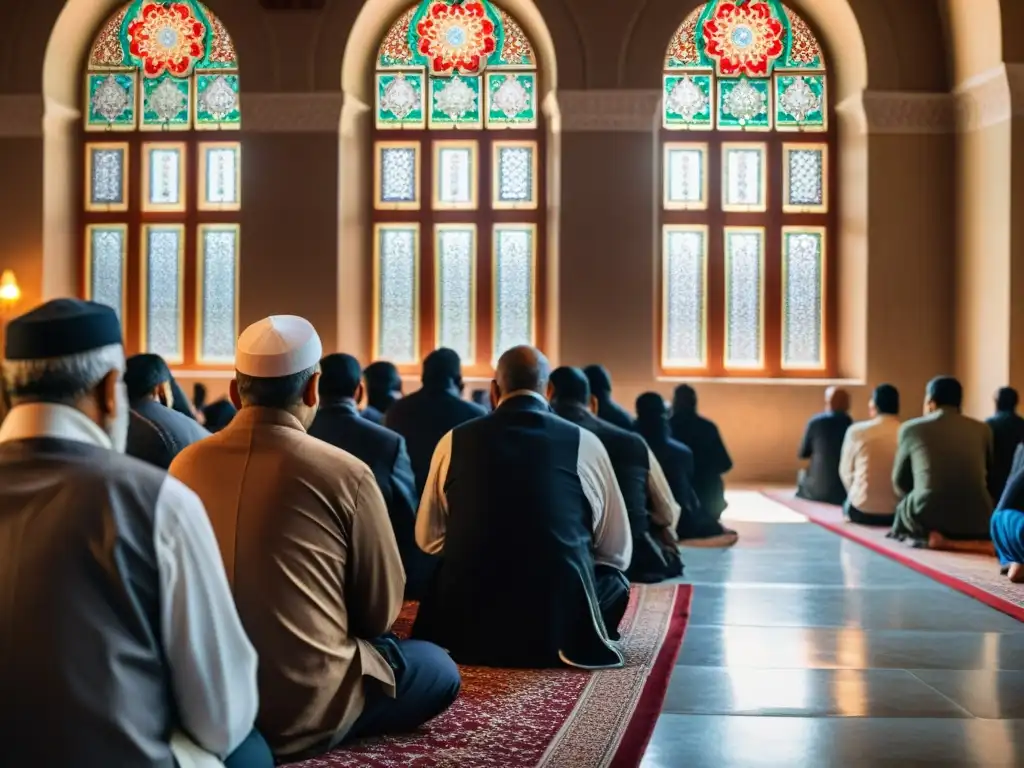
694,624
797,716
947,698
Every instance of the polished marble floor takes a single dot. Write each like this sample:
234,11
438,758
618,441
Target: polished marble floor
806,650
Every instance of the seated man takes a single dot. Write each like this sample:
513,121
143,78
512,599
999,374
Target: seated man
941,467
156,433
424,417
696,528
383,389
710,458
1007,433
338,422
865,465
601,387
524,510
118,628
1007,527
823,444
313,562
653,513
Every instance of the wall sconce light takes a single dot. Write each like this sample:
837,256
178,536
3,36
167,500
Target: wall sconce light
10,293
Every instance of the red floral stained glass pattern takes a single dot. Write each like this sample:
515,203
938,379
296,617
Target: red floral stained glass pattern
743,39
516,49
395,48
682,51
106,49
166,38
803,47
456,37
222,50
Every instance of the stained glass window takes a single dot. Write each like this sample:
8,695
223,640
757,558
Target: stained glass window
746,170
161,88
458,153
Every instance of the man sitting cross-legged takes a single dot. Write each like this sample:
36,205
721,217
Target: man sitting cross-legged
312,559
865,464
942,463
653,513
525,512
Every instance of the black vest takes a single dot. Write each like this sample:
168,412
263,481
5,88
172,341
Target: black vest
516,581
80,624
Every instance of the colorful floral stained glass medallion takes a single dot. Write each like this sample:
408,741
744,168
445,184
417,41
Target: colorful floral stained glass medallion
743,39
456,37
167,38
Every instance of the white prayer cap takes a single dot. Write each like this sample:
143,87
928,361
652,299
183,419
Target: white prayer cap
279,345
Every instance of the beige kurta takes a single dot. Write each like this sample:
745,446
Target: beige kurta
313,563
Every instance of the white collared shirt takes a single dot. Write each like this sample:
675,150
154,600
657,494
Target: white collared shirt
865,465
212,663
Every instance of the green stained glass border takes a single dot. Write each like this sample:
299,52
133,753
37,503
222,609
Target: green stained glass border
386,117
443,106
151,120
678,112
203,115
813,120
123,122
526,117
728,120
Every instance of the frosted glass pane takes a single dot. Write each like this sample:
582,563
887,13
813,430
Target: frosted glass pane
684,176
744,186
684,256
106,267
398,324
222,176
163,301
398,175
106,187
515,176
513,311
220,265
806,184
455,176
802,306
164,181
743,296
456,251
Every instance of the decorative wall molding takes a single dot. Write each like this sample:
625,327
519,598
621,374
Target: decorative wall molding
907,112
613,111
985,100
21,116
313,112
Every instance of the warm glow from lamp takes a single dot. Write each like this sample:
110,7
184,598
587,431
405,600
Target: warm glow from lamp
10,293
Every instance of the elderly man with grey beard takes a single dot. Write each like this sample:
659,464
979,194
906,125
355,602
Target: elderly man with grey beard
116,619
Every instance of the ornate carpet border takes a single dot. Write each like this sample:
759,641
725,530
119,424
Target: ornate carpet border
982,583
616,713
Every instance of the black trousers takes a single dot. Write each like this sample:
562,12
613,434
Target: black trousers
612,597
854,515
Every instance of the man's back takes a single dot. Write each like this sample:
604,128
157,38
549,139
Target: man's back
866,468
156,433
315,571
942,460
80,625
1007,433
823,445
711,460
516,582
423,418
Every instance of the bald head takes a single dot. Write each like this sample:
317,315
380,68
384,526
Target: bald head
837,400
520,368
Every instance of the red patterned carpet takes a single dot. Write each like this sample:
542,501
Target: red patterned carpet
975,575
555,718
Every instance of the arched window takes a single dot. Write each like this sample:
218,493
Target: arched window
457,190
160,234
747,177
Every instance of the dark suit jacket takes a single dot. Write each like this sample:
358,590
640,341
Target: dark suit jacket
710,459
383,451
614,413
823,445
1007,434
423,418
372,414
156,434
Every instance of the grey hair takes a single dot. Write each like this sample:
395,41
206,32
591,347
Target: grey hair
61,379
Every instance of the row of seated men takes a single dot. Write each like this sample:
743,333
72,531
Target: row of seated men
238,609
932,479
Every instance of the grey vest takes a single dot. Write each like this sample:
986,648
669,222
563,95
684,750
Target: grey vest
83,678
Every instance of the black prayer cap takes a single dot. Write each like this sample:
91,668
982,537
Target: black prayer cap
60,328
143,374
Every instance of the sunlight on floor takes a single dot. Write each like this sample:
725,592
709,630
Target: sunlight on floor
752,507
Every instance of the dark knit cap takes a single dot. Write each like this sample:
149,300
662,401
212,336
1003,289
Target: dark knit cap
60,328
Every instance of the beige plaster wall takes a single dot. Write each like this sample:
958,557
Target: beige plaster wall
303,250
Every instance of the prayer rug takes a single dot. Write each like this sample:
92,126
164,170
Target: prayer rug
975,575
551,718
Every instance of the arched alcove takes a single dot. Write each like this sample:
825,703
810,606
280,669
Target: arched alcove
355,270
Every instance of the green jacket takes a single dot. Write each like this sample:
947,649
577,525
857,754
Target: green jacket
942,465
